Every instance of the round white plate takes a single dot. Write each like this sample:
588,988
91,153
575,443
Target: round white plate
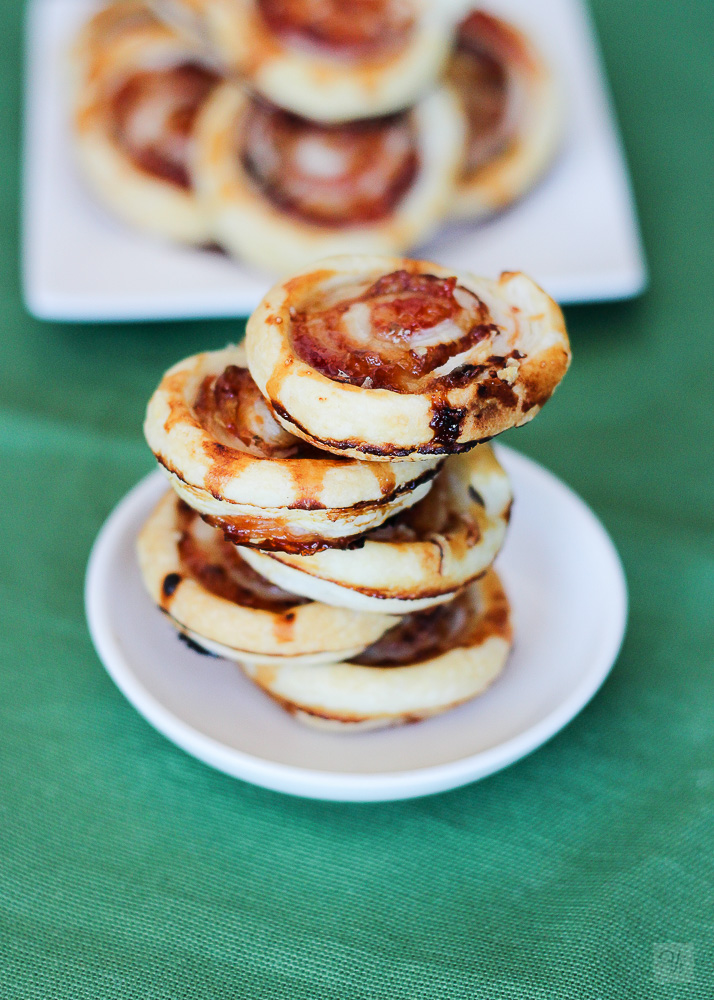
569,599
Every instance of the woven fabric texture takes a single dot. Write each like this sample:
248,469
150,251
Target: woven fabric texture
130,871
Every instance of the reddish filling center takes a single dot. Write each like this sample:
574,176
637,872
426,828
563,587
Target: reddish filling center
154,114
330,175
216,565
233,411
394,334
422,635
481,78
360,27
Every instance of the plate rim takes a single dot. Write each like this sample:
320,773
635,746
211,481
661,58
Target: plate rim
346,786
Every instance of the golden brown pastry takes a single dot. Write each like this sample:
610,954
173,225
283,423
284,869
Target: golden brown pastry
327,60
226,456
138,88
420,557
386,358
218,601
513,111
282,190
431,661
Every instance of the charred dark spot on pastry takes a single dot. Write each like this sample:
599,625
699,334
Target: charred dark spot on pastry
439,545
508,511
499,360
462,376
307,505
214,248
192,644
436,446
499,390
216,450
446,424
171,582
476,496
283,626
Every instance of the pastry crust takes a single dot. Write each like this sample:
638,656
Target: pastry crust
254,225
419,559
267,489
181,558
190,19
349,697
124,46
490,365
313,80
526,139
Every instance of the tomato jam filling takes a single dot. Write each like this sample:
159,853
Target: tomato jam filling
396,334
215,563
481,78
154,114
422,635
347,27
232,410
330,175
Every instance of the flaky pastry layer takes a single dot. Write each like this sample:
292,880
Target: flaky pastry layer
209,594
386,358
349,697
532,123
121,44
418,559
253,226
268,489
313,80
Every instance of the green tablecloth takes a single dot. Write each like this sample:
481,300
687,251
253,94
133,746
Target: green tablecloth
129,870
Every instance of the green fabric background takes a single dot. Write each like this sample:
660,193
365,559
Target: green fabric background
129,870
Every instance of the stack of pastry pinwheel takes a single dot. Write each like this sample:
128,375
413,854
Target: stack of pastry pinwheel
334,512
284,131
